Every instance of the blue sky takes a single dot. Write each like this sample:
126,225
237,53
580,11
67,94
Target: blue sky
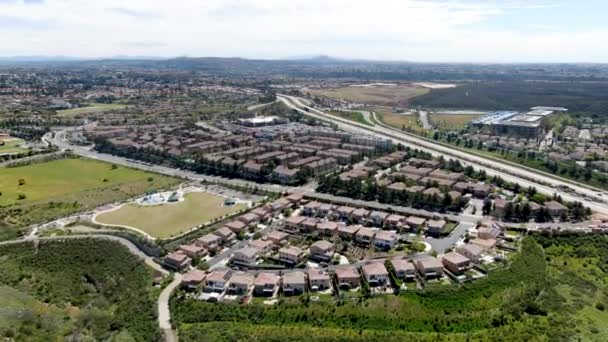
414,30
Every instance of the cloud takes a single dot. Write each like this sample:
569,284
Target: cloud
142,14
420,30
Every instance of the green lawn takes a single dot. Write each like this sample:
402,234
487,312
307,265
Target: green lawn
351,115
11,145
58,188
168,220
91,108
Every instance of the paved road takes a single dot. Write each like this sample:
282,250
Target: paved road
441,245
508,171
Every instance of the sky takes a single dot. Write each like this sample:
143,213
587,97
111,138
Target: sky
492,31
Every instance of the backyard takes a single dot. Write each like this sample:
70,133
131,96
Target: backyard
166,220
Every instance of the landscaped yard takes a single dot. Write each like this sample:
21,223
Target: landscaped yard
167,220
91,108
45,191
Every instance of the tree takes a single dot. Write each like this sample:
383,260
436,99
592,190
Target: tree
21,182
487,207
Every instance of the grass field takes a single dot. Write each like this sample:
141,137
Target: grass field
11,145
168,220
91,108
397,120
394,96
58,188
452,121
351,115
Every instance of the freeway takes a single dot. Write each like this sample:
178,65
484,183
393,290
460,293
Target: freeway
510,172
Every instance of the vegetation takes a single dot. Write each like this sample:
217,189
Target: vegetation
170,219
45,191
578,97
77,289
351,115
10,146
521,302
91,108
390,95
451,121
404,121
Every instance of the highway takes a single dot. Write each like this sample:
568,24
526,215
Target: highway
508,171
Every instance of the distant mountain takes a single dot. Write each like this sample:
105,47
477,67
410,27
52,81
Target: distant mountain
25,59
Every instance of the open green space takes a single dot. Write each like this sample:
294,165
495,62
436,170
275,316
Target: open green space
519,302
45,191
452,121
170,219
578,97
384,95
351,115
78,290
11,145
403,121
91,108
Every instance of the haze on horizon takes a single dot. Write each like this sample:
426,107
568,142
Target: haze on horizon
412,30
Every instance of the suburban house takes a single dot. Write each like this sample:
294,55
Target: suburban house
177,261
309,225
280,204
291,255
193,250
360,215
293,224
385,239
429,267
236,226
324,210
263,213
348,277
344,212
365,235
394,221
240,283
245,256
471,251
266,284
225,234
404,269
486,244
311,208
327,228
415,222
488,232
209,241
348,232
436,227
455,262
322,251
318,280
192,279
295,198
376,274
294,283
249,219
499,207
277,238
378,217
216,281
263,246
